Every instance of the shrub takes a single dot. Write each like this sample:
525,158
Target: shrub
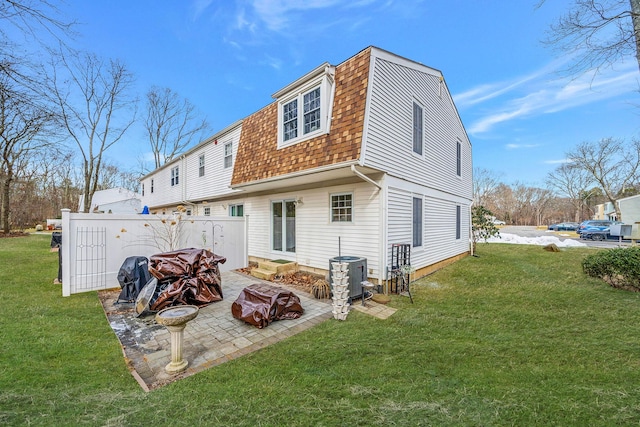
619,267
482,225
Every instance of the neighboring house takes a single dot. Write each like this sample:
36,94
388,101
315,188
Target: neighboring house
113,200
605,211
348,160
630,209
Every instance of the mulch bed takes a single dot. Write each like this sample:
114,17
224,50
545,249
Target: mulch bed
299,279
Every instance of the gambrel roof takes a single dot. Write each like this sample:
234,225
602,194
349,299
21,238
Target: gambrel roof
258,157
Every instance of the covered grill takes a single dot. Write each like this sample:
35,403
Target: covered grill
186,277
132,276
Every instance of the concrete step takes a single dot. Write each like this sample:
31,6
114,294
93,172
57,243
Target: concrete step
263,274
277,267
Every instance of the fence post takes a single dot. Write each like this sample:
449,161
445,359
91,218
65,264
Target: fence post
245,252
65,248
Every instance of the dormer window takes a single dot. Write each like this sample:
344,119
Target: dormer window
290,120
304,107
311,110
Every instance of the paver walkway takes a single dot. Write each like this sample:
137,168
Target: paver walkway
213,337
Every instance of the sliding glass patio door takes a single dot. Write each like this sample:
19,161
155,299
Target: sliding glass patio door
283,226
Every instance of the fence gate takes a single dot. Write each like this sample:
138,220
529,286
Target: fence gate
90,254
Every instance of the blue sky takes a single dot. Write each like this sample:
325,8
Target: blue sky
229,56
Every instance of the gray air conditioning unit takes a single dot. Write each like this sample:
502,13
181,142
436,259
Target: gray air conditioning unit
357,273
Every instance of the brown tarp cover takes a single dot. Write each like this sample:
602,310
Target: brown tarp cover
260,304
193,275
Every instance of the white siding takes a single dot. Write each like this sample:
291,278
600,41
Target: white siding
439,224
316,235
630,209
400,217
440,241
389,146
395,84
192,187
217,178
163,192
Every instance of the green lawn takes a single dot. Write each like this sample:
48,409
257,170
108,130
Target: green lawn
517,336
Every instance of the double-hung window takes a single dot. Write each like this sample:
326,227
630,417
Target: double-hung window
417,221
418,128
175,175
296,123
458,158
201,165
304,107
311,110
290,120
342,207
228,155
152,185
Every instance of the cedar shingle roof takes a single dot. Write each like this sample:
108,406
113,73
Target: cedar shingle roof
258,157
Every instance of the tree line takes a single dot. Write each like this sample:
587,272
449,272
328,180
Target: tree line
596,172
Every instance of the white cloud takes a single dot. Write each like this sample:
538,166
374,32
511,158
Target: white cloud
273,62
558,162
486,92
198,7
535,94
520,146
276,13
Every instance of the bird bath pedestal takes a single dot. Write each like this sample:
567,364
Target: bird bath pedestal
175,319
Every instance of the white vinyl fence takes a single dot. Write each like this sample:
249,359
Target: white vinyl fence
94,246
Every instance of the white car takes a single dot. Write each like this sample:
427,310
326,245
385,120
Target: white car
498,222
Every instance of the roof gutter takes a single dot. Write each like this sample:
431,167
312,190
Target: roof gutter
364,177
296,174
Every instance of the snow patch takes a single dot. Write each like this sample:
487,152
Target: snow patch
541,240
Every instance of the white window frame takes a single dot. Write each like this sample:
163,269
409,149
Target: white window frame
175,175
152,185
417,221
458,158
201,169
233,209
417,131
228,155
207,211
326,88
341,217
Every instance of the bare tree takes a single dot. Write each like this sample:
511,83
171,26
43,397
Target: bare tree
26,27
58,183
611,163
171,124
570,181
24,123
112,176
97,110
503,203
30,16
485,183
600,32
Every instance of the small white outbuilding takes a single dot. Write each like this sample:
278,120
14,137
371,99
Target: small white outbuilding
113,200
